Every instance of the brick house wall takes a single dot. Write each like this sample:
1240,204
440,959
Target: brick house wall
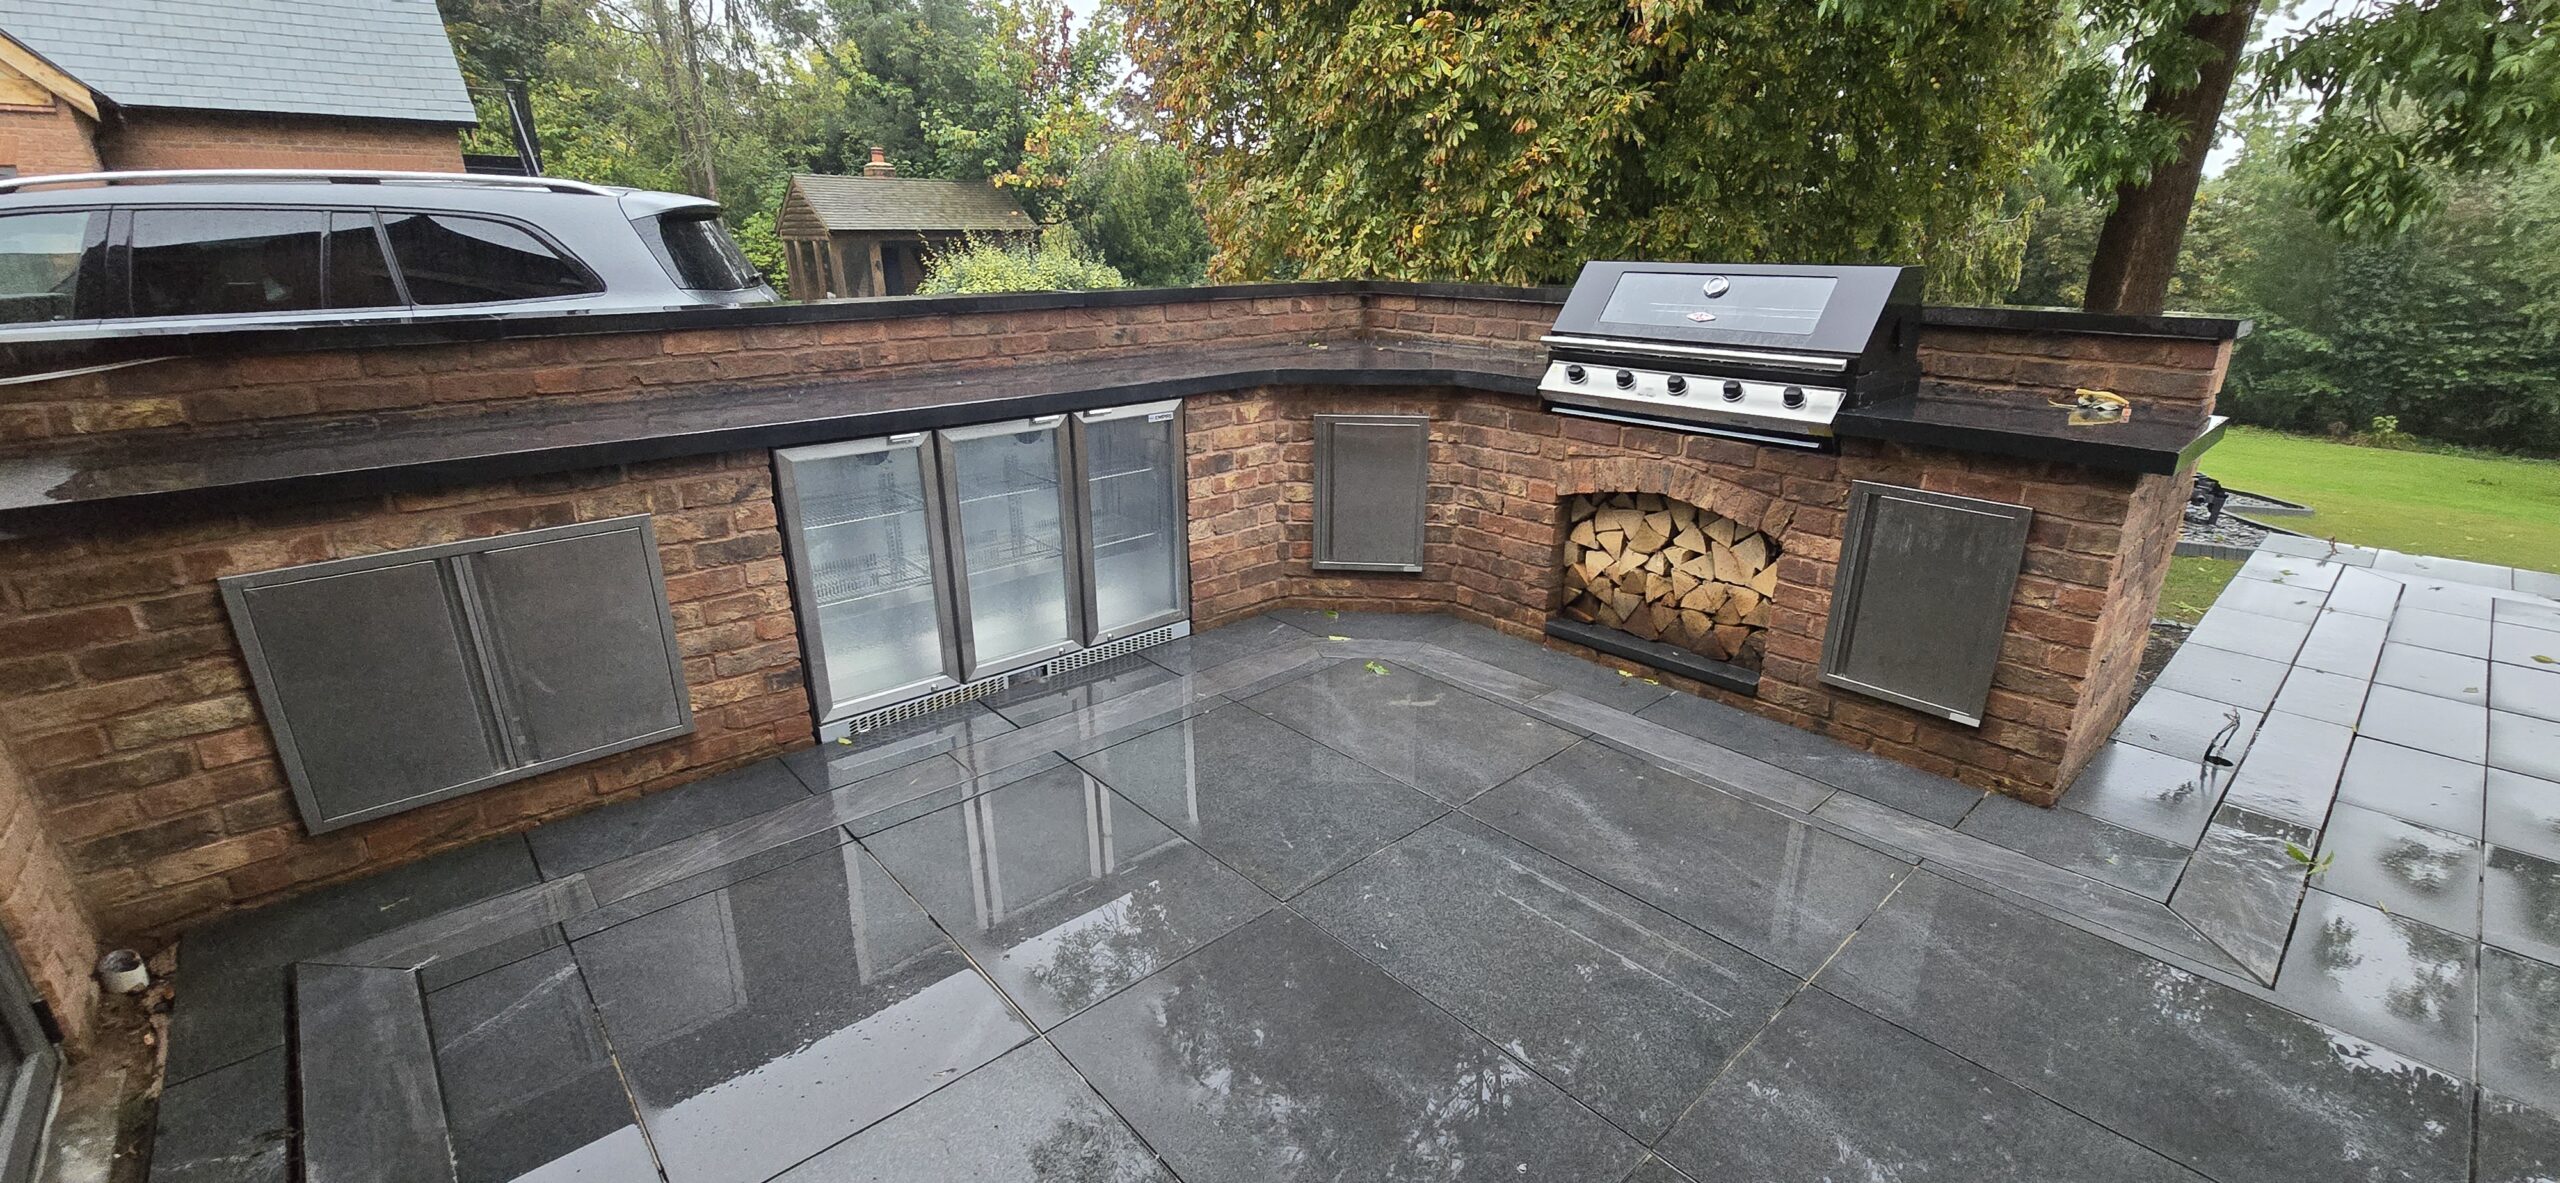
41,909
49,139
151,138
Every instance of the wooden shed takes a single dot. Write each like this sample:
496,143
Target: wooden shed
869,235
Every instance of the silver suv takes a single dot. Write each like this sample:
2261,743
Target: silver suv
140,253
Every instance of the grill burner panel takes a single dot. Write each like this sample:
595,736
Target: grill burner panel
1766,353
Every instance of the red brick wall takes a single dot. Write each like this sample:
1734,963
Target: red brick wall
127,700
40,908
144,138
53,139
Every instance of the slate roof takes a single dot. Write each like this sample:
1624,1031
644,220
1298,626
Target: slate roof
909,203
376,59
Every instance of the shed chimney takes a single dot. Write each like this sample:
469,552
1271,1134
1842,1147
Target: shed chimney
879,166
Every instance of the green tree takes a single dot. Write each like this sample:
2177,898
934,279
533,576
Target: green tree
1133,202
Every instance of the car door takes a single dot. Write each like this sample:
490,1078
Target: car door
53,272
194,268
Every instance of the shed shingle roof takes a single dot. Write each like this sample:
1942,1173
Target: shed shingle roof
908,203
374,59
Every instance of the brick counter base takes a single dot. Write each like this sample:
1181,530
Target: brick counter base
1494,535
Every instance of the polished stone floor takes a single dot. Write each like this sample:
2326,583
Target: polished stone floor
1349,897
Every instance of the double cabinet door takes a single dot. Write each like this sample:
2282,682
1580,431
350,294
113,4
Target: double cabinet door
926,560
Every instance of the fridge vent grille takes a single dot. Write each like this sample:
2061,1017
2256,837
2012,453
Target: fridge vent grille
1108,650
917,708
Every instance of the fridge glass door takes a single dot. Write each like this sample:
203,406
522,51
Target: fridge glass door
1006,482
862,525
1132,463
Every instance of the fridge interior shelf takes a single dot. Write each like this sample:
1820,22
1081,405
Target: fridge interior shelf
1011,551
870,575
860,505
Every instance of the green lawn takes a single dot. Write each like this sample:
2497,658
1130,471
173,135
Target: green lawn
2494,510
2193,585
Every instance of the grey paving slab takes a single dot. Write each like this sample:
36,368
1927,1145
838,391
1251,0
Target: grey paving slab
365,1078
1382,626
2363,593
2457,570
2439,595
2524,813
1026,1118
2223,676
1831,1092
2184,725
2520,904
1768,883
1621,685
2412,870
2523,743
2242,886
2426,722
2318,548
1277,806
2434,671
2268,637
2288,600
2423,787
1705,761
2526,690
1278,1054
1217,646
2344,643
2392,979
2316,574
1627,1009
529,1084
1654,1170
2519,1041
2540,583
2076,841
2467,636
2167,797
2317,694
1919,793
2541,613
629,827
2292,769
1062,891
2232,1085
229,1125
761,1023
1436,737
1456,669
2518,1143
1029,700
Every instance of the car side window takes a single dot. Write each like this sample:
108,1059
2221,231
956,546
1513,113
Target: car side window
449,259
202,262
359,273
46,262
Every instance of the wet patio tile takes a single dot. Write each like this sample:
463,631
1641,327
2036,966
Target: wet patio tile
1376,626
2434,671
1706,761
2520,904
2522,743
2223,676
2292,769
2317,694
1772,885
2422,787
761,1023
365,1086
2466,636
629,827
2427,723
715,877
1831,1092
1605,684
1026,1118
529,1086
2541,613
2298,546
2232,630
2296,598
1217,646
2231,1085
2457,570
2437,595
1275,1054
2315,573
1029,700
1911,790
2524,813
2184,725
2401,983
2412,870
2076,841
229,1125
1431,735
1062,891
2518,1143
2526,690
2145,791
2363,593
2242,885
1281,808
2519,1042
1630,1011
2344,643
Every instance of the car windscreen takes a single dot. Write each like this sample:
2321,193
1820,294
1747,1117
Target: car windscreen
704,257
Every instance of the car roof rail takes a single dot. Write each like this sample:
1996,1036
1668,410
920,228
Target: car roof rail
329,176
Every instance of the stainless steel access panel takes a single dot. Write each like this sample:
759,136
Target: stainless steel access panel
863,525
1372,491
1921,604
1012,507
394,680
1135,564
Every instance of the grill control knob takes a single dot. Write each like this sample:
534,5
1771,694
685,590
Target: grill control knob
1676,384
1573,373
1732,391
1793,396
1626,379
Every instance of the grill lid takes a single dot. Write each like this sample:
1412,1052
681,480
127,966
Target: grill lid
1804,309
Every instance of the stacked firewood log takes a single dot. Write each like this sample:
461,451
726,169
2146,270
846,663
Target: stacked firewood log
1669,571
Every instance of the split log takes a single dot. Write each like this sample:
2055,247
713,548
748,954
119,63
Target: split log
1766,582
1583,534
1753,550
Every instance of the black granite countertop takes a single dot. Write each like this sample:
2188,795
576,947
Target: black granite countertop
213,471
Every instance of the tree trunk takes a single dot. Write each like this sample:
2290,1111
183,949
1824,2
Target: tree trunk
2138,246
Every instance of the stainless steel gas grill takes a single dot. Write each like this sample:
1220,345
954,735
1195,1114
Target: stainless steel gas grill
1767,353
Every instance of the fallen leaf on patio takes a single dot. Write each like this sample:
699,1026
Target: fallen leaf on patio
1377,667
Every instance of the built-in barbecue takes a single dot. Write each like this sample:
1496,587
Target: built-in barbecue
1770,353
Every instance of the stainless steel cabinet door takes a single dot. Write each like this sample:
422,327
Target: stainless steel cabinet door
863,521
584,659
1920,607
1137,566
1015,541
1372,491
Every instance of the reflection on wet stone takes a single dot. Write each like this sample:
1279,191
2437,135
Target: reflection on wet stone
2393,980
1026,1118
529,1088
